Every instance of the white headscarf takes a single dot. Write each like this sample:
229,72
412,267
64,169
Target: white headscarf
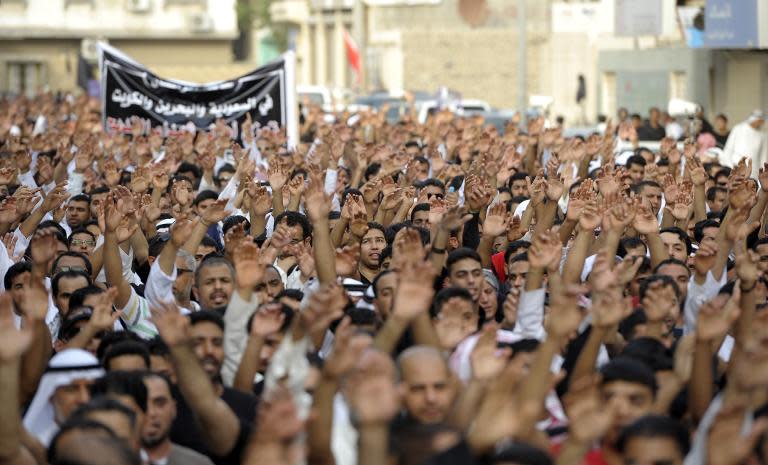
64,368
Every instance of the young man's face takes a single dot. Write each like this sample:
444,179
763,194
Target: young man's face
519,188
66,287
208,340
709,235
718,202
432,191
96,200
467,274
636,172
371,245
161,411
215,286
653,195
69,263
271,286
385,294
457,320
203,205
185,278
83,243
421,219
517,272
18,284
202,251
641,450
629,400
78,212
676,248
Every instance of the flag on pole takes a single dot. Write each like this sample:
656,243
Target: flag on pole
353,54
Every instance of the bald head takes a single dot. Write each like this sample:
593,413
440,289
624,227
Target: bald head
427,384
89,449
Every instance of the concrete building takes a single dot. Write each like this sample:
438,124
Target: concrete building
418,45
41,40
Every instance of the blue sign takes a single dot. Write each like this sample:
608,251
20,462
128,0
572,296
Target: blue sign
731,24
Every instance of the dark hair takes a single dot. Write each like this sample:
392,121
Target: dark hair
80,198
628,326
638,188
420,207
113,337
212,259
207,316
88,266
656,426
635,160
682,235
712,191
374,284
287,312
699,227
209,242
72,424
126,348
363,316
69,328
187,167
446,294
53,224
523,346
100,403
671,261
629,243
519,176
232,221
77,299
156,244
521,257
379,227
294,219
205,195
522,454
67,274
629,370
128,383
432,182
80,230
459,254
513,247
98,190
664,279
15,270
651,352
156,346
293,294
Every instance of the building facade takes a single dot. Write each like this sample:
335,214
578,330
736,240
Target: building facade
42,41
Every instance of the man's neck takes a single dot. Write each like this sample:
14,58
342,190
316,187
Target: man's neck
367,272
159,451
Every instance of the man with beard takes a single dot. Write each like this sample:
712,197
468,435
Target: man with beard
155,435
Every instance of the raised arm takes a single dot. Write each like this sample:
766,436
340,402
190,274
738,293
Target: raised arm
577,254
13,343
218,424
318,206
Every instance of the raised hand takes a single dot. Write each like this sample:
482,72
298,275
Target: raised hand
728,429
44,245
590,419
545,251
180,231
347,349
705,257
645,221
171,324
487,359
590,217
248,268
317,203
609,308
267,320
103,318
215,212
414,290
346,260
564,317
278,176
13,342
496,221
325,306
713,323
373,379
659,302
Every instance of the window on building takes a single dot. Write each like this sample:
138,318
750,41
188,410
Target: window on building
678,85
23,77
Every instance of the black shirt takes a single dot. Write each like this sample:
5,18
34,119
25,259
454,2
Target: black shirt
185,432
648,132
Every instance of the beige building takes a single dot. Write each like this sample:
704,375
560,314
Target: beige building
41,40
419,45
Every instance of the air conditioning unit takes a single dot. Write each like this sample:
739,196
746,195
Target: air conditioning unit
89,49
138,6
200,22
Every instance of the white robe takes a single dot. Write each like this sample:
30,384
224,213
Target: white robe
746,142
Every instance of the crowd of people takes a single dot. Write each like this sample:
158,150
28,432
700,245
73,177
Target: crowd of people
439,293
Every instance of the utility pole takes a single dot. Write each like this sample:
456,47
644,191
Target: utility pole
522,85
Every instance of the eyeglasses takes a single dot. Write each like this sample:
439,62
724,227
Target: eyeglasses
439,196
64,269
83,242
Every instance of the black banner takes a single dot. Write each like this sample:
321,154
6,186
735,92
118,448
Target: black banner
129,89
